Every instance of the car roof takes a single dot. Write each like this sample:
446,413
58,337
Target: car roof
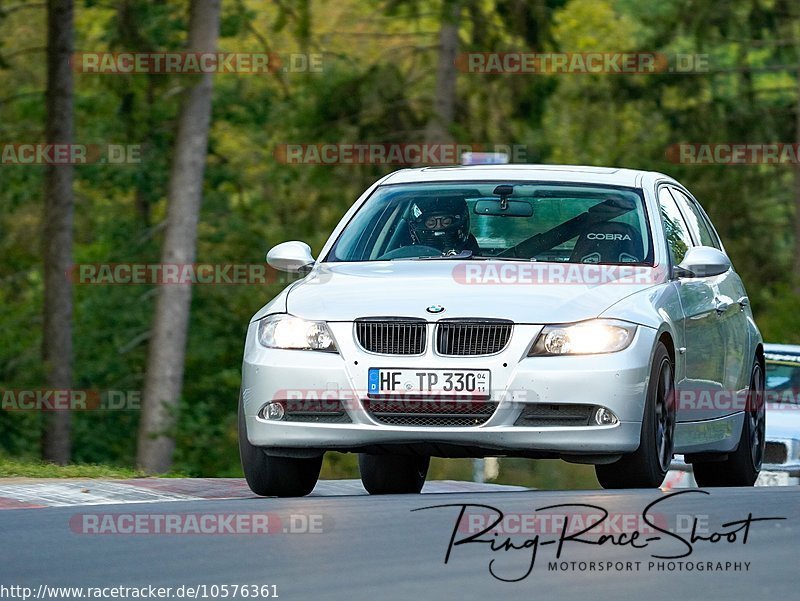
791,349
631,178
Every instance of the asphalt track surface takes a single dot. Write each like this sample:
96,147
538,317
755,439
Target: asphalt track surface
379,548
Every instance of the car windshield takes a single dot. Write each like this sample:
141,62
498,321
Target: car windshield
569,223
783,378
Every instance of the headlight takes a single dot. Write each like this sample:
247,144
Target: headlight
289,332
586,338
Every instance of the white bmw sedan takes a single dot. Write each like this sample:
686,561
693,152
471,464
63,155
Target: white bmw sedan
582,313
782,452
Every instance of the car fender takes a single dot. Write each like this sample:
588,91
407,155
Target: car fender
658,308
276,305
755,337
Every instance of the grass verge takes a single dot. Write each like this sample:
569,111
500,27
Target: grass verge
14,468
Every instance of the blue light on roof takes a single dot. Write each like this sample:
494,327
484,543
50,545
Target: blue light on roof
484,158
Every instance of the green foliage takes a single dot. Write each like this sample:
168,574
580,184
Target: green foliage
547,474
13,468
543,474
780,317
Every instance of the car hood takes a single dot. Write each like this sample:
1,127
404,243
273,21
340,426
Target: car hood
522,292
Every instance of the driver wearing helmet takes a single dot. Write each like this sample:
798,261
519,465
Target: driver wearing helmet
442,223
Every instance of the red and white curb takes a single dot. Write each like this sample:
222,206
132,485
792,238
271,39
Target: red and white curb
31,494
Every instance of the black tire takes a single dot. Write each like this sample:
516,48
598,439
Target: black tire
272,476
393,474
742,465
647,466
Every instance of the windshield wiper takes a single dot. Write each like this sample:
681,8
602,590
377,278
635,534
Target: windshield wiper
499,258
464,254
450,256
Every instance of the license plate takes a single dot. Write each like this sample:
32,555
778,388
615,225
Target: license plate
773,479
435,382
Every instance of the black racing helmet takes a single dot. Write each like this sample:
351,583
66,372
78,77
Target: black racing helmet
440,221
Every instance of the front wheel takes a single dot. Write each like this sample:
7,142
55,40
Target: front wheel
272,476
393,474
741,466
647,466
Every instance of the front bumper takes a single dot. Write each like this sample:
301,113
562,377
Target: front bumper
616,381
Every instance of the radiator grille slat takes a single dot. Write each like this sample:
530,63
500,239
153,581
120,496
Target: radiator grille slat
391,336
454,338
544,414
428,413
458,338
315,411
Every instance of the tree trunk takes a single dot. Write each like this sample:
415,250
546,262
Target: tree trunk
444,101
167,347
57,230
138,130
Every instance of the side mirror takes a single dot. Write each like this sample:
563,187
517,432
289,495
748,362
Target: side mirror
703,261
294,257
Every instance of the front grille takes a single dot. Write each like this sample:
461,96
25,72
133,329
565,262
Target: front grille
472,337
391,336
323,411
424,413
775,452
546,415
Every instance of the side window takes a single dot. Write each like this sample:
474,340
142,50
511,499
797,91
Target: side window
675,228
697,222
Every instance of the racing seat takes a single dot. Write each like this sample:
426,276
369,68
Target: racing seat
608,242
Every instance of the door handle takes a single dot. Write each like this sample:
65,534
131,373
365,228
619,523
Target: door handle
721,305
